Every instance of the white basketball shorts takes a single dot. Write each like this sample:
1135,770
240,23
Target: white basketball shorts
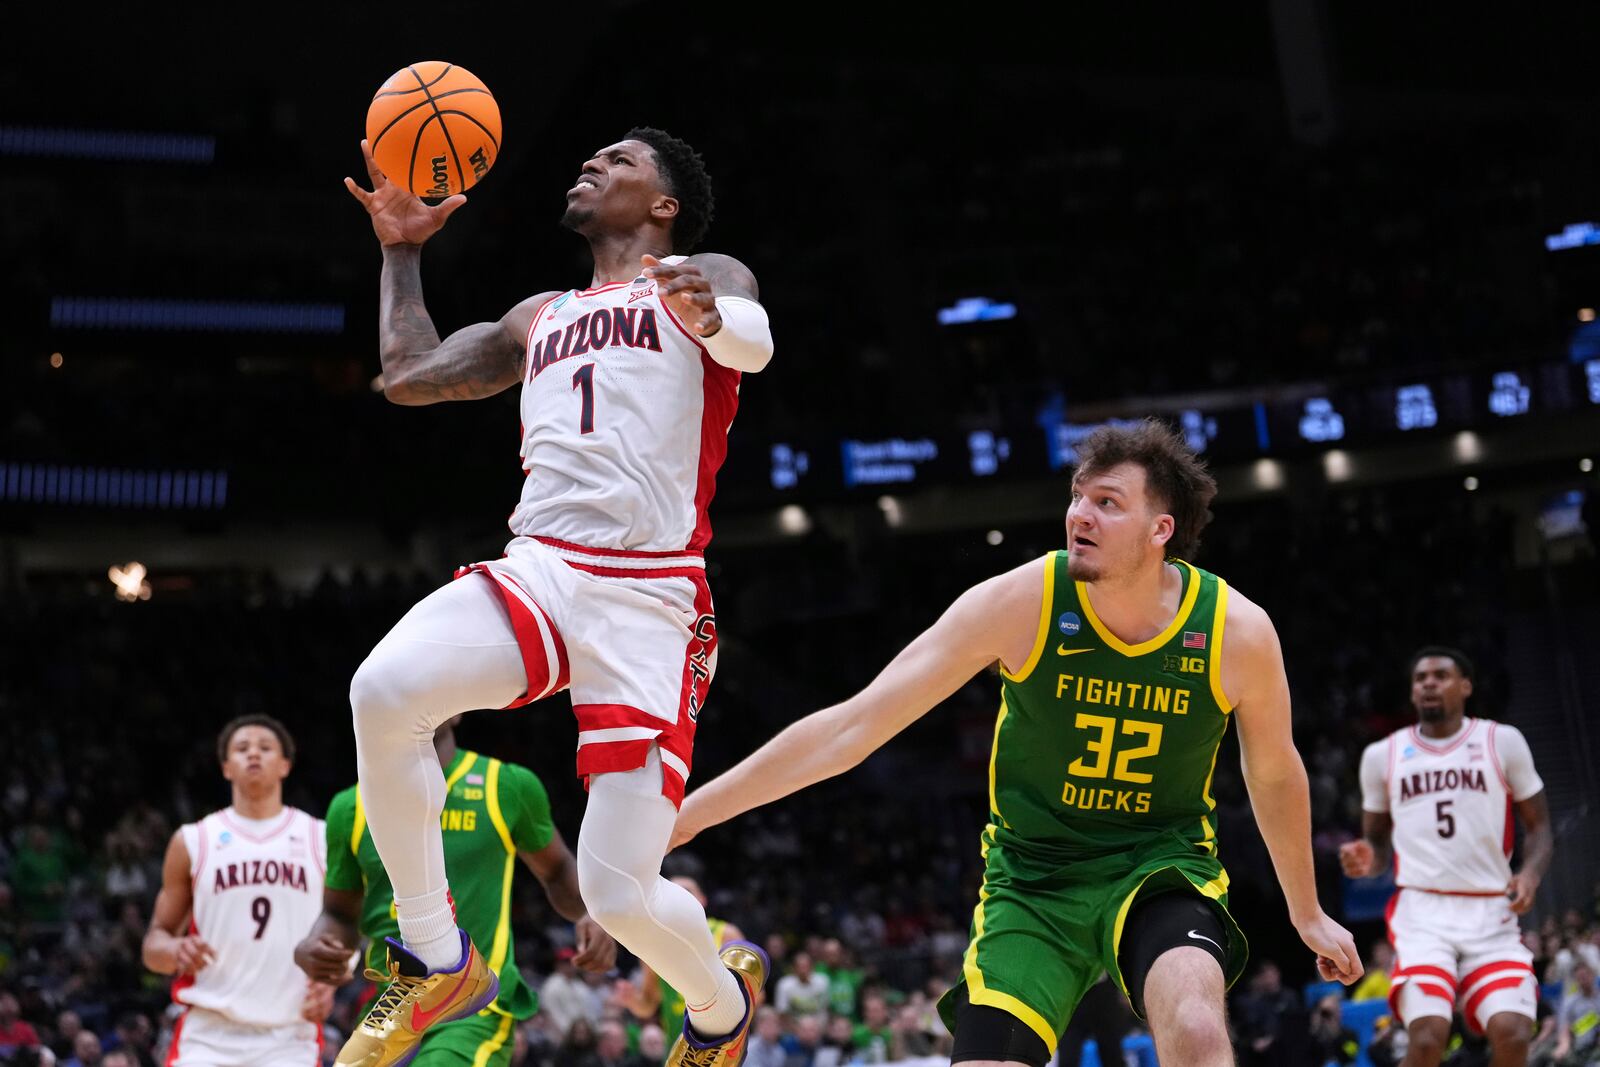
1453,950
633,634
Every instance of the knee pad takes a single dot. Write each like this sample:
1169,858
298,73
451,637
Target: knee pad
1166,921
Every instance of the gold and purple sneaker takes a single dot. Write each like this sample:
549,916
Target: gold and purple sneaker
416,1001
749,965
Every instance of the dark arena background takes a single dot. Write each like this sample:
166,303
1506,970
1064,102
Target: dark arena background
1351,251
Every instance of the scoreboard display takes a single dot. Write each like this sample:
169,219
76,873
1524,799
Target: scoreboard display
1339,418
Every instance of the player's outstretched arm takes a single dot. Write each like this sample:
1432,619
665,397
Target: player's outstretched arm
474,362
1252,672
418,368
165,951
557,871
988,622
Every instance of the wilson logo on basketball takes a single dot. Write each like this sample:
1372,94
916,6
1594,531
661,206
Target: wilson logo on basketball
480,162
441,178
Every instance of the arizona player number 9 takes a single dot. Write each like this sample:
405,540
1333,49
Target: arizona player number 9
260,911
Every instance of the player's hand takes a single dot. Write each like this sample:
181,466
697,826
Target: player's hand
687,292
1523,888
398,217
324,959
318,1004
688,824
1357,858
597,950
192,954
1337,959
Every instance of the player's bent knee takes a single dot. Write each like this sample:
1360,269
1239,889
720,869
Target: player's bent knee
613,898
390,696
374,699
1508,1031
1428,1039
1197,1030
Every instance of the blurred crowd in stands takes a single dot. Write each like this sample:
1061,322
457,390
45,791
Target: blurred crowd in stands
862,889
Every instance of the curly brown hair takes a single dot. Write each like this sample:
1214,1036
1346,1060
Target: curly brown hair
1175,477
280,731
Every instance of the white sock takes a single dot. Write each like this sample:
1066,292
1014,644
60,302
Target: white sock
428,928
724,1012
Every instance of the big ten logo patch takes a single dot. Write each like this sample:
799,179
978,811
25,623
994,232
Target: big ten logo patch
702,648
1183,664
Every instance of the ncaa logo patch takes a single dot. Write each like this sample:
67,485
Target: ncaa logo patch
224,838
1069,623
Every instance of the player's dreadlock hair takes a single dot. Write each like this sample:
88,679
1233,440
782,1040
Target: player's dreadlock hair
684,173
1174,476
225,738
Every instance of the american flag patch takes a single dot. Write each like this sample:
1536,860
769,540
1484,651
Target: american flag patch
474,779
1193,640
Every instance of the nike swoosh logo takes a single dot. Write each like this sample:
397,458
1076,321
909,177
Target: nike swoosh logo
420,1019
1063,650
1198,936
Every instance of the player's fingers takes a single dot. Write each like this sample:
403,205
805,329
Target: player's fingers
649,261
356,191
449,206
372,165
686,283
1351,964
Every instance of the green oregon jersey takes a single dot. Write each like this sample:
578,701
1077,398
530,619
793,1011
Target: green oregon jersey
492,811
1101,746
672,1003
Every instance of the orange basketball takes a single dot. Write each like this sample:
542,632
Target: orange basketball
434,129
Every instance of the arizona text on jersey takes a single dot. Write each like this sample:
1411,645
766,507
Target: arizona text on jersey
625,421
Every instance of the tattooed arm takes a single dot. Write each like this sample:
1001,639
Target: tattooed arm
418,368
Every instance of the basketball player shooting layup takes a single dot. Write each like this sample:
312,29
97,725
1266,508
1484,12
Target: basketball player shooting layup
247,882
1121,668
1441,793
628,390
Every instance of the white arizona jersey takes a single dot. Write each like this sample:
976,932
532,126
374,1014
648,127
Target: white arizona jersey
257,892
1451,802
625,422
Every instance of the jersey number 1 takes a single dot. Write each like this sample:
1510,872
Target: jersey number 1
583,378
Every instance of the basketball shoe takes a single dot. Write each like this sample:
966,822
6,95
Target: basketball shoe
416,1001
749,965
